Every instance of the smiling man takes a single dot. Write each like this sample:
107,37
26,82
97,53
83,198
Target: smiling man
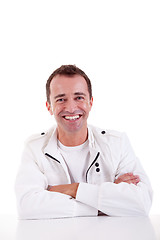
70,103
75,169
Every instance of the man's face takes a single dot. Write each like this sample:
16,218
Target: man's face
70,102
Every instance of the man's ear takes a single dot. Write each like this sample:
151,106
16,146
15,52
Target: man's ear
91,102
49,108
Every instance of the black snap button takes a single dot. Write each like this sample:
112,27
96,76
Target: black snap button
97,169
103,132
42,133
97,164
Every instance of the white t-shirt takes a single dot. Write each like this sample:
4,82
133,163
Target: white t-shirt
76,159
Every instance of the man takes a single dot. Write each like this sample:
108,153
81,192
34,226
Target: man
75,169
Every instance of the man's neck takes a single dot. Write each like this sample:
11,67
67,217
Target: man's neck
72,139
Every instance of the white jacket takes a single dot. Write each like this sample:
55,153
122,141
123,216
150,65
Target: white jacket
110,152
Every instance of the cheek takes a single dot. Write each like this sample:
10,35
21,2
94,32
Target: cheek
57,109
85,106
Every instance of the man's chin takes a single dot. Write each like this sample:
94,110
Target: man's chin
72,128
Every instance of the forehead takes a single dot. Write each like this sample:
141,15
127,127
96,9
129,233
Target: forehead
61,84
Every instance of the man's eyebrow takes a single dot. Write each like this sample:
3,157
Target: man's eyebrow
63,94
59,95
79,93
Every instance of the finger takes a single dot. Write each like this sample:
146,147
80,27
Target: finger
133,181
122,178
128,177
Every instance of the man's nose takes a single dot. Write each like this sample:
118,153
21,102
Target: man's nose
70,106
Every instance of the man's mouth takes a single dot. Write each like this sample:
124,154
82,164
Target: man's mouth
73,117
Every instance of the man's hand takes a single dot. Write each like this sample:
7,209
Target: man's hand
128,178
69,189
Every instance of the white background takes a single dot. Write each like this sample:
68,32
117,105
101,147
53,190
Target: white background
117,44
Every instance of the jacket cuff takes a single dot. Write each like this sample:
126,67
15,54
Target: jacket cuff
88,194
83,210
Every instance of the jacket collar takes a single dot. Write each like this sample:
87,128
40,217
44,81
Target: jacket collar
52,147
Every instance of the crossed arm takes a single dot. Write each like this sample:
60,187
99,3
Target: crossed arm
71,189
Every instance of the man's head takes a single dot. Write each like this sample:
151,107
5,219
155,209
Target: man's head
69,98
67,70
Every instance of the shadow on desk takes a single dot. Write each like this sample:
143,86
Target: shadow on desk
102,227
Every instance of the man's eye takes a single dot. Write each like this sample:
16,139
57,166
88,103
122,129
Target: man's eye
60,100
80,98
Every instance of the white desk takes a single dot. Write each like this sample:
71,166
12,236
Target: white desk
94,228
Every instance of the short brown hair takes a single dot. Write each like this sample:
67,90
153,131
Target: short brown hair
67,70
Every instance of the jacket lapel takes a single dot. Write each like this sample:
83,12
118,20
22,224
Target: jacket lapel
51,150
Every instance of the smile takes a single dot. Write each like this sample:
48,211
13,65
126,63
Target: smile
75,117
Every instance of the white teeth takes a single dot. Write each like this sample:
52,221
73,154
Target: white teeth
72,117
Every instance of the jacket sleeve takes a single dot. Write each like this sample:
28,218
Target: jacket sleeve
33,199
121,199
